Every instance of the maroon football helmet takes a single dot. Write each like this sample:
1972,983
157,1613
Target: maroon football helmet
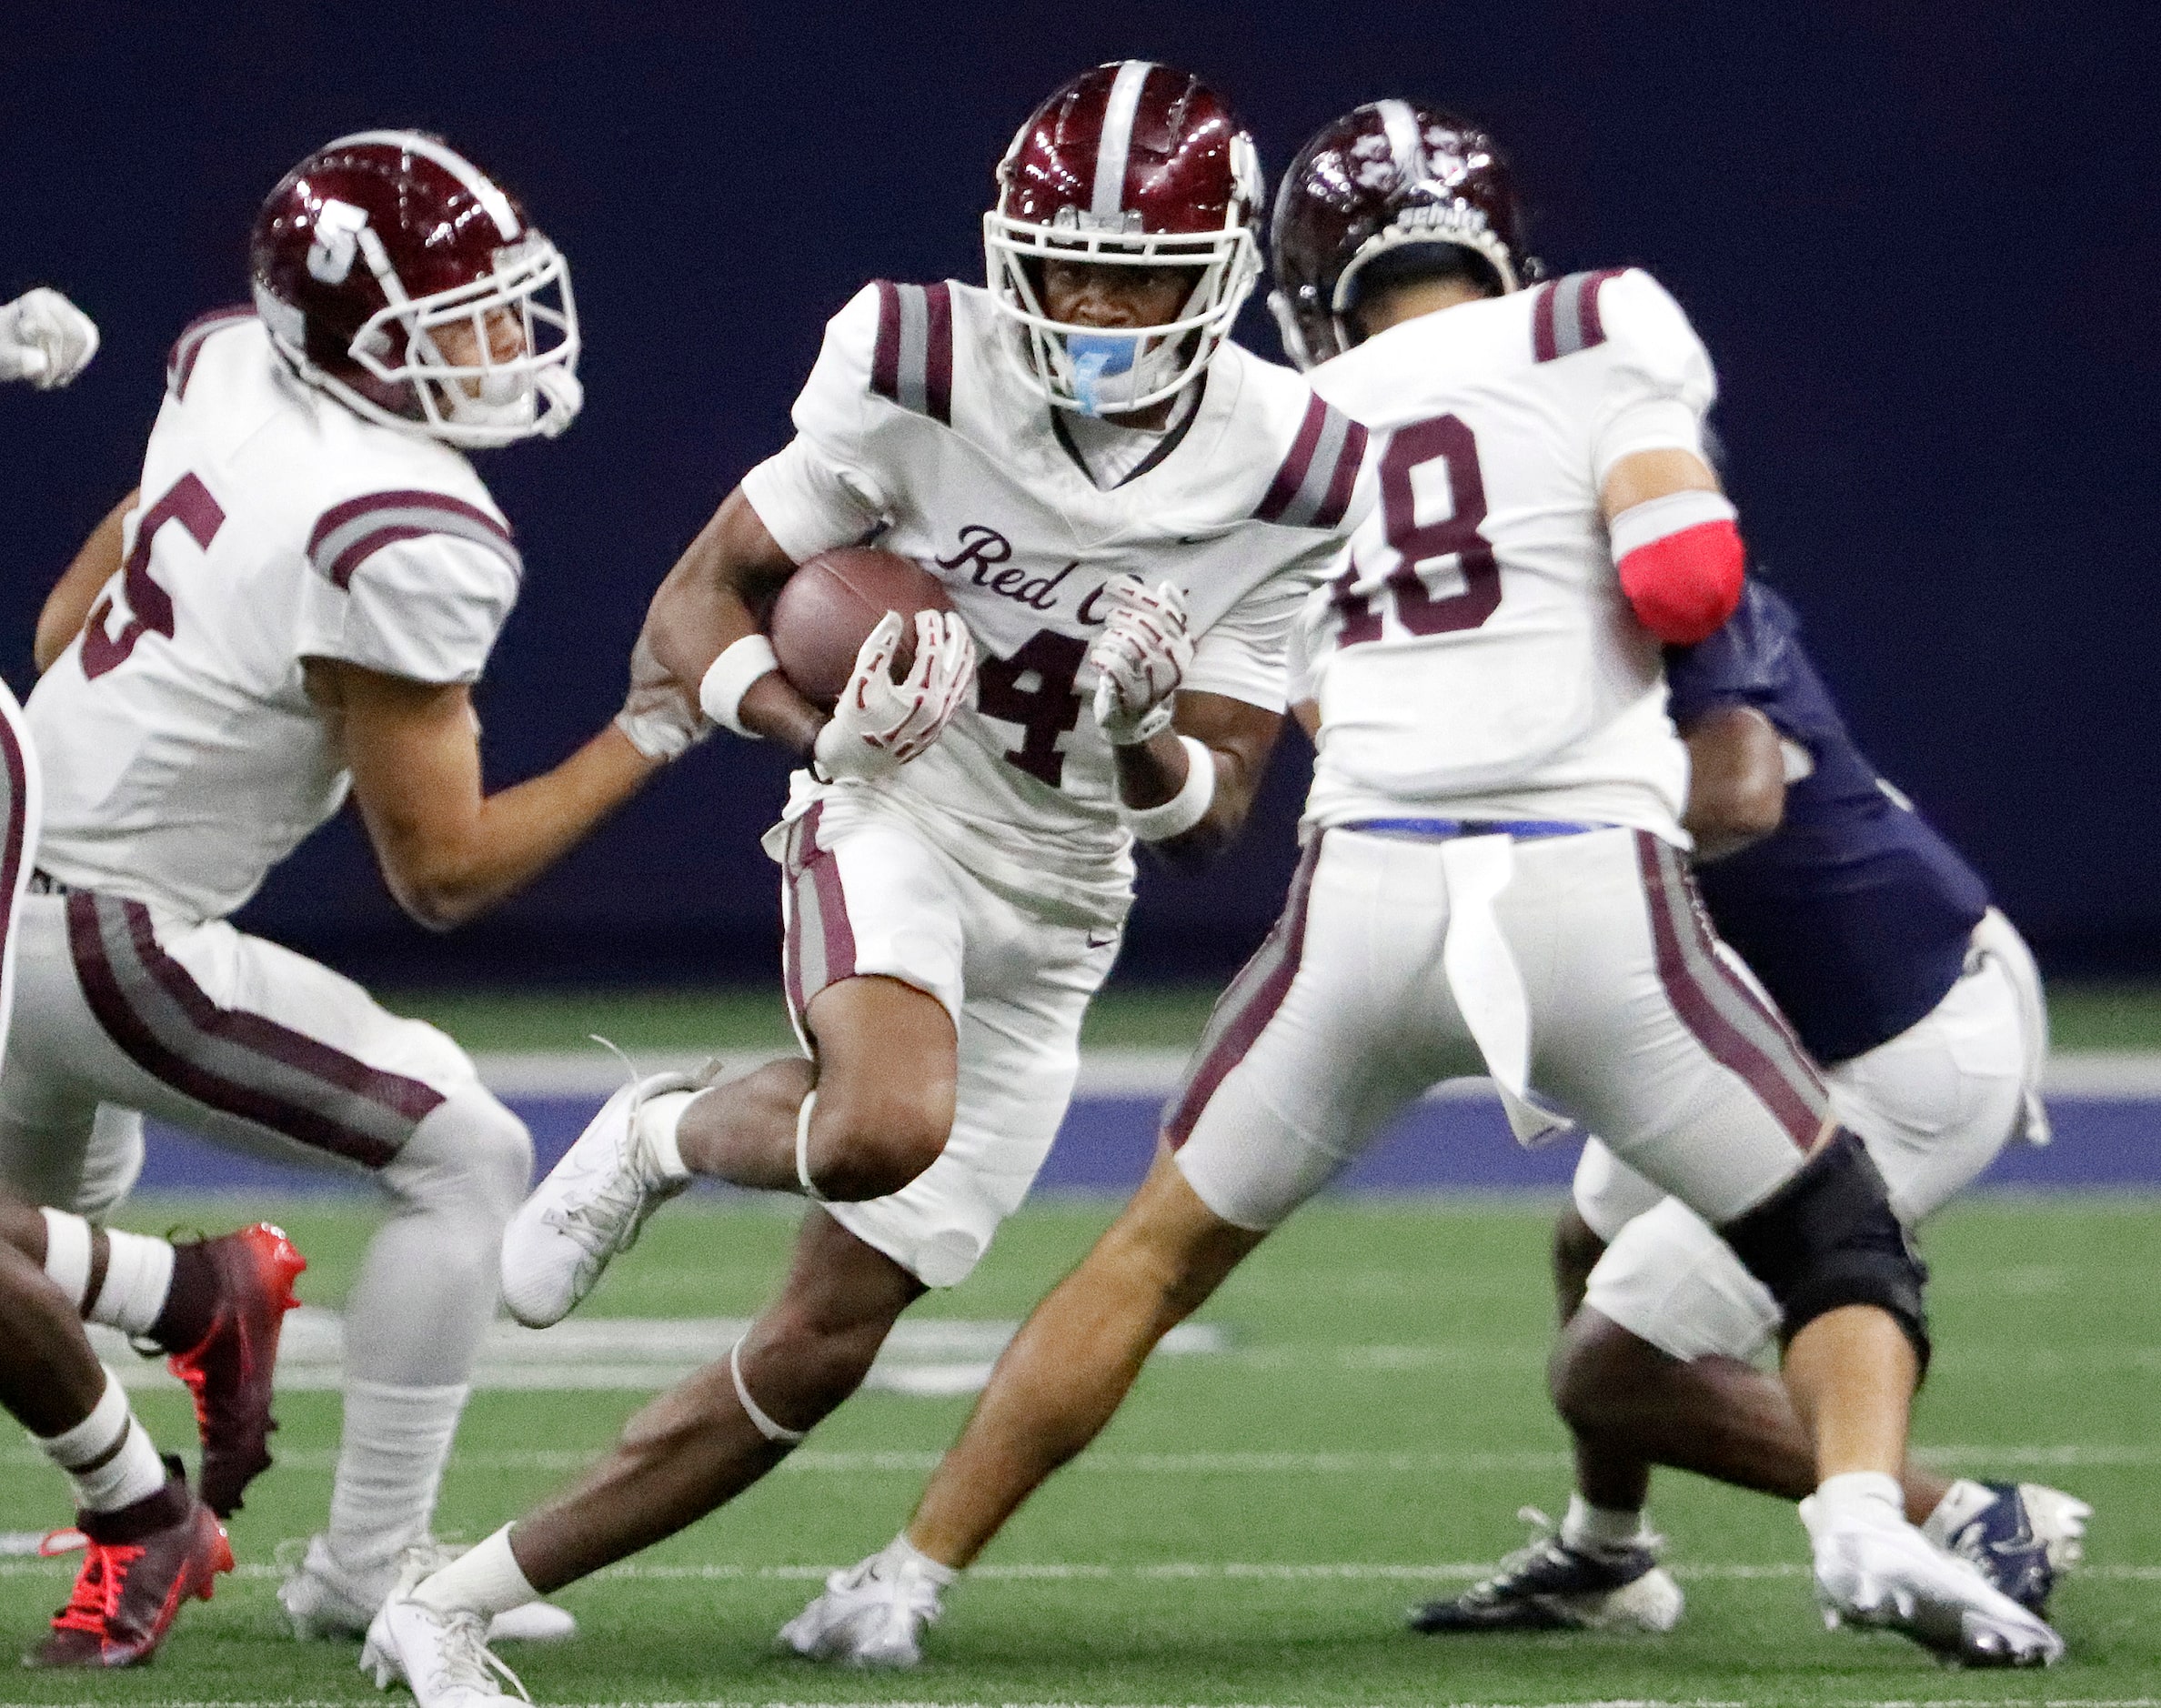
380,249
1133,164
1385,175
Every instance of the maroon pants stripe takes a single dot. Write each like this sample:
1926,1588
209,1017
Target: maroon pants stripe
820,946
14,774
241,1064
1717,1006
1249,1004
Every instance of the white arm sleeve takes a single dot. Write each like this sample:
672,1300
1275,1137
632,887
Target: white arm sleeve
1658,383
821,492
426,608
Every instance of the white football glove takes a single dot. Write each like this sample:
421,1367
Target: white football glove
1139,658
45,338
880,724
659,716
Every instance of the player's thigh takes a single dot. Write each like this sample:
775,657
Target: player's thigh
1668,1279
21,811
1029,983
1608,1193
865,895
1937,1102
1327,1032
233,1038
1643,1032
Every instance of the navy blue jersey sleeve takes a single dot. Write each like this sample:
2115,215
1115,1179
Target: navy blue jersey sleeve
1745,663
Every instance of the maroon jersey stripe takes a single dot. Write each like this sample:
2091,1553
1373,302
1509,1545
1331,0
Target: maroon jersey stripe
1591,327
1543,348
181,359
1292,476
885,359
938,376
1337,503
338,515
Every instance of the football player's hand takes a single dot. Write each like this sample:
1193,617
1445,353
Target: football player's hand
1139,658
881,724
659,716
45,338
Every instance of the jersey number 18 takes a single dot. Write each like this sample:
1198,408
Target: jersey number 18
1444,439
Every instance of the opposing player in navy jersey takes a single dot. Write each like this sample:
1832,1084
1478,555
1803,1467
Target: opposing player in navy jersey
1923,1005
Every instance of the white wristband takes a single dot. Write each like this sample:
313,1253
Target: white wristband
1644,524
720,691
1184,810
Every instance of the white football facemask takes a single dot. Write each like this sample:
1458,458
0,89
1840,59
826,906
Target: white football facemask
482,401
1098,371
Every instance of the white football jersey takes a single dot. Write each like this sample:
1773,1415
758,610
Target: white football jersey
182,755
1474,655
916,428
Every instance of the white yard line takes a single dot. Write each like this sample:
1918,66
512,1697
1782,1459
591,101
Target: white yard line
1156,1072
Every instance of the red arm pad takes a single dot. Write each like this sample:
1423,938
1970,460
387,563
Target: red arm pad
1684,586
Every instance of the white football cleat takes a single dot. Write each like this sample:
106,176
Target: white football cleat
325,1601
1879,1570
443,1658
871,1615
589,1208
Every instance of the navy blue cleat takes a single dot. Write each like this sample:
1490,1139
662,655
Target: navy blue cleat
1548,1585
2022,1536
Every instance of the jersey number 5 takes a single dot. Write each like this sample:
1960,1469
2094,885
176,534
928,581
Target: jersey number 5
149,606
1445,439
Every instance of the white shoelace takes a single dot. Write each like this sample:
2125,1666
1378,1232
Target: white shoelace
608,1220
463,1659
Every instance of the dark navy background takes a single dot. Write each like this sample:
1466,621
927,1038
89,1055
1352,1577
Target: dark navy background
1921,242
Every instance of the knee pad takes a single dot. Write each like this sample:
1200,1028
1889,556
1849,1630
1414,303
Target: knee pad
469,1149
1828,1238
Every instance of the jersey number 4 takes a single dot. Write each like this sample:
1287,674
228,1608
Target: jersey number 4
1034,688
1446,440
149,606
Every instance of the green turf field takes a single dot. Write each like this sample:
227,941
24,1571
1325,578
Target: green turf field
2081,1017
1250,1529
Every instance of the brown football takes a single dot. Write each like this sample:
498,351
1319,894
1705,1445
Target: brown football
828,609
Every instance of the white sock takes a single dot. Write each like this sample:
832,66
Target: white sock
900,1553
485,1579
657,1119
389,1467
133,1473
1867,1497
138,1276
1600,1529
67,1254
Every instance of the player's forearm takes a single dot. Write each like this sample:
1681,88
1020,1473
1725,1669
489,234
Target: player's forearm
68,606
519,833
707,603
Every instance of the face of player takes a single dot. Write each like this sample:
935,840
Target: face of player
460,343
1094,293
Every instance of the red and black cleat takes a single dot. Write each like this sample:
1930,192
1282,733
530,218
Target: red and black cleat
229,1371
140,1563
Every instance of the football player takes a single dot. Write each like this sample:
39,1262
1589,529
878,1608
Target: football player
1921,1000
1126,509
1494,878
215,1305
294,606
